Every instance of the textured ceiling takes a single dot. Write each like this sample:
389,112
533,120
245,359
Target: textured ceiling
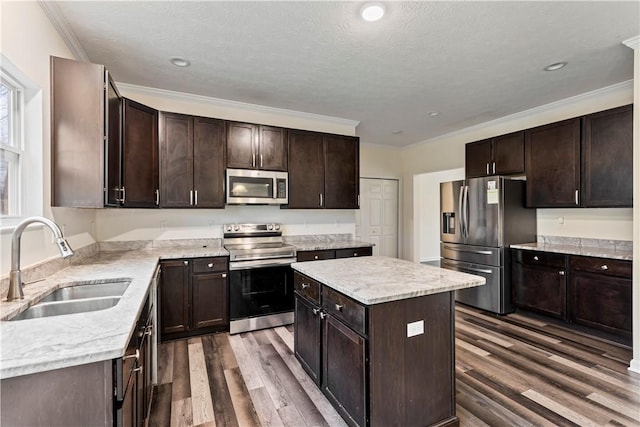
471,61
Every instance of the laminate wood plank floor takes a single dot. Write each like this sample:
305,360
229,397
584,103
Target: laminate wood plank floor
513,370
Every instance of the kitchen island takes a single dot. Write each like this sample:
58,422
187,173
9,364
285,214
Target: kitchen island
376,334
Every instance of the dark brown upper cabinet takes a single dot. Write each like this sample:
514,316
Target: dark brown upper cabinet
251,146
552,154
191,161
502,155
607,158
140,173
323,171
85,133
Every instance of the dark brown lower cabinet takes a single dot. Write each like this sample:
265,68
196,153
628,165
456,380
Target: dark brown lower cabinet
193,297
365,364
334,253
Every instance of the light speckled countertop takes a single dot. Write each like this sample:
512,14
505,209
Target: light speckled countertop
373,280
592,251
36,345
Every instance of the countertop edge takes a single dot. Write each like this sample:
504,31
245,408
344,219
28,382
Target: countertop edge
587,251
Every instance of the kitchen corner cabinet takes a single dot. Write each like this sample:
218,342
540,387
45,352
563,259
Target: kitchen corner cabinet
140,174
252,146
85,135
191,161
552,154
323,171
607,158
360,356
539,281
193,297
502,155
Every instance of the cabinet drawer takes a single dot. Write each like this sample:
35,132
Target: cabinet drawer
353,252
207,265
547,259
344,308
307,287
316,255
610,267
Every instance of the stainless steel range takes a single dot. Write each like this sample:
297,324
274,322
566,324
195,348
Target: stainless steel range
260,277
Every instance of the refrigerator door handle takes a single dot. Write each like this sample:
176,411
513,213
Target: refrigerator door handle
461,210
466,210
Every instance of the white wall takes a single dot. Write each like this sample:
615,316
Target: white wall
27,39
426,190
447,152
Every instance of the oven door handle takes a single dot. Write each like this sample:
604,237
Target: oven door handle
260,263
239,258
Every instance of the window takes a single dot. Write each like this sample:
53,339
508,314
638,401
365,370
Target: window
21,146
11,146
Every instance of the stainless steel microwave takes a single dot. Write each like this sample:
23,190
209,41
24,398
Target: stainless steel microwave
257,187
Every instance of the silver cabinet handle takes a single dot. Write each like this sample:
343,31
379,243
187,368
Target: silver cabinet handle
138,369
253,160
315,257
577,200
305,286
191,197
494,168
132,356
260,160
487,168
124,194
536,258
157,197
210,265
321,199
604,267
185,262
358,200
355,254
323,315
196,197
316,311
561,273
339,307
224,275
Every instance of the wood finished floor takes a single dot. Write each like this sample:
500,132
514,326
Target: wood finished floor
510,371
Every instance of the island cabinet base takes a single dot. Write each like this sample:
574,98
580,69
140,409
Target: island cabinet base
387,364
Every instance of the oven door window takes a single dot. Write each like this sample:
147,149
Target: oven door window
256,188
260,291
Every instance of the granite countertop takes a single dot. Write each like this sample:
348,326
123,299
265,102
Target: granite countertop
36,345
378,279
592,251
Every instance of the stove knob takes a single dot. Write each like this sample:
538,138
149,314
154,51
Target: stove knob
236,227
269,226
227,228
277,226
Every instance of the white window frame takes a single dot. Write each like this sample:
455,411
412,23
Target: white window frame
29,132
16,126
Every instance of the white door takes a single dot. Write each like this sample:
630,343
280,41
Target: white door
377,218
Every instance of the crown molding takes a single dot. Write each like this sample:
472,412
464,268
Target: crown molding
633,43
626,86
60,24
225,103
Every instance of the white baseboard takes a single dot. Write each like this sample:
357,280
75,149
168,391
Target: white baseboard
634,365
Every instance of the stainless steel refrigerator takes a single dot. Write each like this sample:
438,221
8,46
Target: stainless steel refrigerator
480,218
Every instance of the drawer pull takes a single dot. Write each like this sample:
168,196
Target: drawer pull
224,275
315,257
323,315
536,258
132,356
305,285
561,273
355,254
339,307
210,265
185,262
604,267
316,311
139,369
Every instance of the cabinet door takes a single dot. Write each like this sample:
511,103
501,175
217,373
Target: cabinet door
174,296
307,337
507,153
344,370
176,160
607,158
477,156
140,156
208,162
209,305
540,289
272,149
113,146
552,154
306,170
601,302
342,172
241,145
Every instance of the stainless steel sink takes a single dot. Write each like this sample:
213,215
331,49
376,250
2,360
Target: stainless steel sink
81,298
90,290
57,308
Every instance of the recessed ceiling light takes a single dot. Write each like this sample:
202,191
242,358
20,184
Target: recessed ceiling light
433,113
372,11
396,131
180,62
555,66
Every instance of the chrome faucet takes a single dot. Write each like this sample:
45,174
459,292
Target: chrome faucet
15,277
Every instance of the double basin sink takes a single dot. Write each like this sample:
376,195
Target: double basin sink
80,298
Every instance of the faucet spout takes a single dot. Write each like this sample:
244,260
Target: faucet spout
15,276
